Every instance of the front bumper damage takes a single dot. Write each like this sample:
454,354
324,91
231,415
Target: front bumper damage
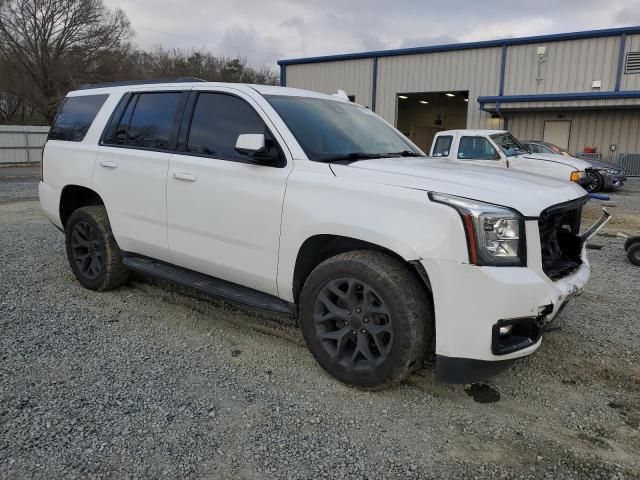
475,304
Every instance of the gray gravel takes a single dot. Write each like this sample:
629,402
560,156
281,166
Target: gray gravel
151,381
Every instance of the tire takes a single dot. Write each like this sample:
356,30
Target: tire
630,241
633,254
596,182
366,318
93,254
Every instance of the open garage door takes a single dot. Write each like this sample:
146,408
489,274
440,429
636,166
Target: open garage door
423,114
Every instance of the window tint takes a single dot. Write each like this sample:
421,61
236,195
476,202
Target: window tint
217,121
152,121
442,146
75,117
476,148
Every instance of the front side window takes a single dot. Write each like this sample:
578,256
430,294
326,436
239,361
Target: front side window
331,129
508,144
442,146
75,117
218,120
152,121
476,148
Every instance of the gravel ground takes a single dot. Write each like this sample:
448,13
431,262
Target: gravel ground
151,381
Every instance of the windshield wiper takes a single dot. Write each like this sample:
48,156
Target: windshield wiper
351,157
406,153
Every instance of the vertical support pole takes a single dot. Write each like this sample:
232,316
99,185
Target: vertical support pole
283,75
374,83
26,144
623,43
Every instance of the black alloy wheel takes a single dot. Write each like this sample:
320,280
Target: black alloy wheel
353,324
87,250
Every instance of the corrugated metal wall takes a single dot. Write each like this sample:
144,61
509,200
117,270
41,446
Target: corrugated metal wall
588,129
568,66
477,71
352,76
22,143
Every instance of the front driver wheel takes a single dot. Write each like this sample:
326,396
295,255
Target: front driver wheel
366,318
595,182
93,254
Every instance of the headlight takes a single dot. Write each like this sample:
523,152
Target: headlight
495,234
611,171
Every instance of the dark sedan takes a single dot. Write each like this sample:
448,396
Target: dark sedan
601,177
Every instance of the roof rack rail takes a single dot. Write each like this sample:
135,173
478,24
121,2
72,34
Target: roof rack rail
126,83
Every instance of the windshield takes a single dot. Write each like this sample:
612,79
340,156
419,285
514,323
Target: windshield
330,130
508,144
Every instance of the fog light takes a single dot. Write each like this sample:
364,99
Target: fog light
505,330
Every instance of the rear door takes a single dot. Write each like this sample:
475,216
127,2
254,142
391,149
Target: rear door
224,210
131,170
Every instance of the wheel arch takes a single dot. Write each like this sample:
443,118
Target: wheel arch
315,249
73,197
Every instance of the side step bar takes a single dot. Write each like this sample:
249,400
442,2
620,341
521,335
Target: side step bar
208,285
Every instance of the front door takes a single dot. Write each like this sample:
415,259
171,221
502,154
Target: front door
479,151
224,210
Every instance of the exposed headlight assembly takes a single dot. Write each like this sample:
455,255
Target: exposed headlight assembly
611,171
495,234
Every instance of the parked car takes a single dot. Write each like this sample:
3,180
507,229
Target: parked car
307,204
498,148
601,176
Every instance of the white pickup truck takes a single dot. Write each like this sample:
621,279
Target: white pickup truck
498,148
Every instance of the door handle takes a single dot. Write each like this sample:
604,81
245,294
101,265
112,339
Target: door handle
187,177
108,164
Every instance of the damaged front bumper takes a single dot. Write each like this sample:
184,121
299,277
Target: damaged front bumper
473,305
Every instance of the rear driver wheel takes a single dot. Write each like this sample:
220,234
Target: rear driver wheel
93,253
366,318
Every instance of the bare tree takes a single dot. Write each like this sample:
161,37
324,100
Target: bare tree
57,44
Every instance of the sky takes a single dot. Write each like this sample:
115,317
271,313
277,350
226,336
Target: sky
264,31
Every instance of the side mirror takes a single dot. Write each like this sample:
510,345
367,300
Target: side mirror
250,143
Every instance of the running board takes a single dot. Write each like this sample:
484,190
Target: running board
209,285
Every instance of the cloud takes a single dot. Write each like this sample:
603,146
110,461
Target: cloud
264,32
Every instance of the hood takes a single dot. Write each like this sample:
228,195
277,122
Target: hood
528,193
574,162
602,164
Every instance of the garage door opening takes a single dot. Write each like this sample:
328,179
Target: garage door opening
423,114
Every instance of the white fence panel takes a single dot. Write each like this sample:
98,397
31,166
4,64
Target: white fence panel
22,143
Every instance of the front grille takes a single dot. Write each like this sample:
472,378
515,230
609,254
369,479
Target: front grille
560,238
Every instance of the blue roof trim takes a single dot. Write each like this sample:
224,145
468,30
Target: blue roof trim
546,97
556,37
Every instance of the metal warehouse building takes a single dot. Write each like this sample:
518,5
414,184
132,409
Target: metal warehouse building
576,90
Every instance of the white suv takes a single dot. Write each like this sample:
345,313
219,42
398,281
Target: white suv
298,202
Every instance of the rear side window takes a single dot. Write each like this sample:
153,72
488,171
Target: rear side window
442,146
75,117
476,148
153,120
217,121
148,120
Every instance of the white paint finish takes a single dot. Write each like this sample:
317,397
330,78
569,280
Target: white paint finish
552,166
352,76
135,196
568,66
557,132
226,223
476,71
246,223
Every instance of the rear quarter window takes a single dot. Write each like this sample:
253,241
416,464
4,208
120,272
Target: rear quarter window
75,116
442,146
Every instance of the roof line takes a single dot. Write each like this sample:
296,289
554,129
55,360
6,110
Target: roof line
555,37
544,97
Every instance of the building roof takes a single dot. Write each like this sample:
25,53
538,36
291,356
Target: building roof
556,37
